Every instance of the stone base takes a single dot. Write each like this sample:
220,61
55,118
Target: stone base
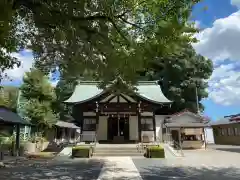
2,165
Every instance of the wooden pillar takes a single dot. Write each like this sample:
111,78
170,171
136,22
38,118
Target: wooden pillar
180,139
70,134
17,148
154,126
205,142
139,126
97,124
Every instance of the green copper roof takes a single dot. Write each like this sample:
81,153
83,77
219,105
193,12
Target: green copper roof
148,90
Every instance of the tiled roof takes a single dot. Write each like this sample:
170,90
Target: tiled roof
199,120
189,125
64,124
149,90
227,120
186,111
7,116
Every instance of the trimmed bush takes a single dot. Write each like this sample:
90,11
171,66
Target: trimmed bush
81,151
41,155
155,152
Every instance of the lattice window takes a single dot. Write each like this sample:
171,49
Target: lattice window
230,131
223,131
237,131
89,124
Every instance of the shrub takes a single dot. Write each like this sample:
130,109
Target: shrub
81,151
155,152
41,155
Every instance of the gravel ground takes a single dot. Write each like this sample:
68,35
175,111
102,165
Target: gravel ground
228,148
196,165
210,164
53,170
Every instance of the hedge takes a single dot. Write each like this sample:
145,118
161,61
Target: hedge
81,151
155,152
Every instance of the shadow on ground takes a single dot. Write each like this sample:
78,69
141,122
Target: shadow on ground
42,170
236,150
189,173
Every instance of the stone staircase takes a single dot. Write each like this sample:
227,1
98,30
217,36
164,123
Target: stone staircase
103,150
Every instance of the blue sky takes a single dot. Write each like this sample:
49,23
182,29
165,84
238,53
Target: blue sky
218,9
218,40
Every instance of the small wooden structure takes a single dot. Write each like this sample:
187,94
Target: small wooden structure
10,121
185,130
66,132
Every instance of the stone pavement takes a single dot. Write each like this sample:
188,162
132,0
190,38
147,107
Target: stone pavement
119,168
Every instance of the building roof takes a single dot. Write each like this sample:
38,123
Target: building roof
64,124
197,120
148,90
10,117
192,125
187,112
232,119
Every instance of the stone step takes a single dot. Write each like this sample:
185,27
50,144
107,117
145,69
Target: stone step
116,150
103,154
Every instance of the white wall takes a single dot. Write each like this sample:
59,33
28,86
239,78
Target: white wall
133,128
102,132
159,121
209,135
88,135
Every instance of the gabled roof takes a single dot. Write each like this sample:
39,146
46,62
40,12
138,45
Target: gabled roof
88,90
174,121
64,124
187,112
10,117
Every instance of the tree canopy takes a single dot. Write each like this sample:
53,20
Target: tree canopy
180,75
8,97
104,36
64,90
39,96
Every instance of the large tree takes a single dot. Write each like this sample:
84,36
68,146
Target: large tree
182,75
99,35
64,90
39,95
9,97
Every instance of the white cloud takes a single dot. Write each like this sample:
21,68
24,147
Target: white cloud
197,24
235,3
225,85
221,42
17,73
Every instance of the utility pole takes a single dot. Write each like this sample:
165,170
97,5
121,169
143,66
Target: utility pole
197,104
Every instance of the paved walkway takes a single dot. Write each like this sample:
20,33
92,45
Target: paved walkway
119,168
